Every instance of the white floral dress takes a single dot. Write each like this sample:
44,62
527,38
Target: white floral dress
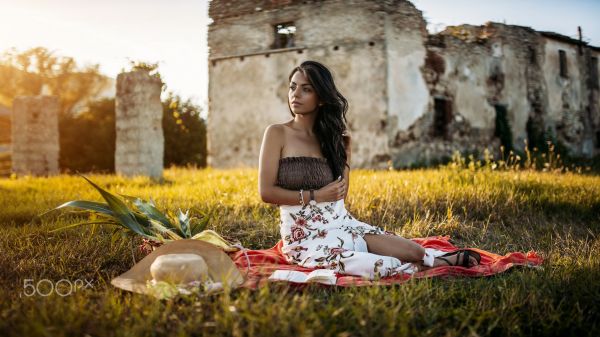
326,235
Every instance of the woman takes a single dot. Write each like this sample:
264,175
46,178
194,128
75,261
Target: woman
304,167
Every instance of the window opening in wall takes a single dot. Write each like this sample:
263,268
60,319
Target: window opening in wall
562,59
594,84
532,55
442,117
503,130
284,35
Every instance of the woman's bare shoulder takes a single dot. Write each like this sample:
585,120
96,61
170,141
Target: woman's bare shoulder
275,128
274,133
278,129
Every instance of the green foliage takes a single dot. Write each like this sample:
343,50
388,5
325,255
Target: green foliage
185,133
88,140
151,68
139,217
29,72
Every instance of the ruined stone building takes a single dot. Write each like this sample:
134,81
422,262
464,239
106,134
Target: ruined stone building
414,97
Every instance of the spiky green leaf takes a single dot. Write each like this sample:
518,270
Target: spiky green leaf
85,205
121,211
83,223
149,210
163,230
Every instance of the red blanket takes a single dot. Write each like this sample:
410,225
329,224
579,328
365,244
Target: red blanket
263,262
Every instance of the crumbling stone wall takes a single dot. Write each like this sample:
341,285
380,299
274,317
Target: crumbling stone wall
592,101
396,76
407,91
570,108
35,144
139,134
479,69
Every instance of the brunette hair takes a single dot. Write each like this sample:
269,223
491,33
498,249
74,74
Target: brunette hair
330,122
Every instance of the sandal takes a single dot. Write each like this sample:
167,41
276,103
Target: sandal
466,255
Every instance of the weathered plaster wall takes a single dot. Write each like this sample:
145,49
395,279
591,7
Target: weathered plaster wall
565,94
594,102
408,95
249,92
252,94
520,73
560,88
245,97
465,80
573,104
319,24
474,68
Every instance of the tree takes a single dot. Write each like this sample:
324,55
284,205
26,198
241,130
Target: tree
38,70
88,139
185,133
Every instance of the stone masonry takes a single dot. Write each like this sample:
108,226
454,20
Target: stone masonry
140,140
35,142
415,97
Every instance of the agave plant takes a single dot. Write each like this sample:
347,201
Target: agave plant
140,217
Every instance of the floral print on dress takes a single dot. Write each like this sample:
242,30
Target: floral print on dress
326,235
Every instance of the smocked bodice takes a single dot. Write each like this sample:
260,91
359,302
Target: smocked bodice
305,173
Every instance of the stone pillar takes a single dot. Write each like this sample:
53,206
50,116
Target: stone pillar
140,140
35,145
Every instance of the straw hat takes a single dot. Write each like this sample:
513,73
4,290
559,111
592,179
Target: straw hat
178,266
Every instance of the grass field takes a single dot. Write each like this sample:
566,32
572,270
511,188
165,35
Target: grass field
555,214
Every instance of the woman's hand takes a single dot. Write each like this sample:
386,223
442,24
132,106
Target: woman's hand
334,191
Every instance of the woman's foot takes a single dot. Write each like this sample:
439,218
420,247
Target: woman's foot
464,258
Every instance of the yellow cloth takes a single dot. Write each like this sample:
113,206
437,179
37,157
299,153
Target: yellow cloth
213,237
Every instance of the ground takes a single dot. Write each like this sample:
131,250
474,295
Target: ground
555,214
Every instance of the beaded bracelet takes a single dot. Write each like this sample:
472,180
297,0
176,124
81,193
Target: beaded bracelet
301,198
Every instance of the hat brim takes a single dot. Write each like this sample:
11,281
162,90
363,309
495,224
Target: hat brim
220,266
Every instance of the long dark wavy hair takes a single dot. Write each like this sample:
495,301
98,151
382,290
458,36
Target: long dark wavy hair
330,122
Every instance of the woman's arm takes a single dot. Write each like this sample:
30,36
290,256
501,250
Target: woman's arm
268,165
270,152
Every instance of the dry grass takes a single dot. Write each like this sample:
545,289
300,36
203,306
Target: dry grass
556,214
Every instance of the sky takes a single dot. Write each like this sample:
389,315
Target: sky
174,32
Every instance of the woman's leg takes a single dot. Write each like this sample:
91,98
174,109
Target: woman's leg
390,245
405,250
